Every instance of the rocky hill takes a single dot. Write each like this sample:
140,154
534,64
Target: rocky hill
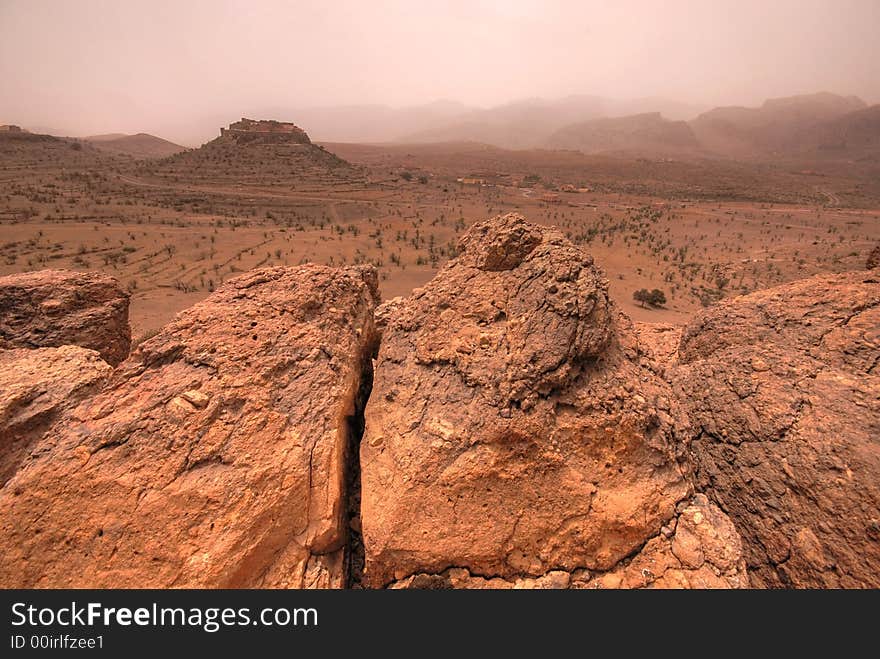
251,152
505,426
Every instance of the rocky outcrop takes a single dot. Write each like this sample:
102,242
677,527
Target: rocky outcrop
217,454
36,387
658,343
783,388
521,432
52,308
264,131
513,430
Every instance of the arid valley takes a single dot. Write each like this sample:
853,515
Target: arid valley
697,226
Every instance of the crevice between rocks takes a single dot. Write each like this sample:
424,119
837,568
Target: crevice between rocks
354,547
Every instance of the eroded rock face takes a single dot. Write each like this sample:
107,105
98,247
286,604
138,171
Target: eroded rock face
512,430
700,548
36,387
215,456
52,308
658,343
783,388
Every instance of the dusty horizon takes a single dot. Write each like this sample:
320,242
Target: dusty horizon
181,70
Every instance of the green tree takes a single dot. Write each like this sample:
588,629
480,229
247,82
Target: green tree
642,296
654,298
657,298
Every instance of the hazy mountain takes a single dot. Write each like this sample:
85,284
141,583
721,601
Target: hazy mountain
855,134
531,122
641,133
743,131
518,125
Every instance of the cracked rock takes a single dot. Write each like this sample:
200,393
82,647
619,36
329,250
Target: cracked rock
215,456
36,387
511,431
783,391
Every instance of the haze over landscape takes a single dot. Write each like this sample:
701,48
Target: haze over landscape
178,70
452,295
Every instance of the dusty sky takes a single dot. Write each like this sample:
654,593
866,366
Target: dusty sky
166,66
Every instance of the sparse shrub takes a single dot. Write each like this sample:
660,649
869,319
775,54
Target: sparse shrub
653,298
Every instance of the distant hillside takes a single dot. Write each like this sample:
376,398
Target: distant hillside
33,151
140,145
742,131
647,133
256,152
855,134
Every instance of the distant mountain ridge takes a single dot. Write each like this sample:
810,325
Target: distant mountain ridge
774,126
825,124
530,123
855,133
818,125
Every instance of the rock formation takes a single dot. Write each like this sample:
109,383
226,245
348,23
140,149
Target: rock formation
52,308
521,432
783,389
512,431
36,387
216,454
264,131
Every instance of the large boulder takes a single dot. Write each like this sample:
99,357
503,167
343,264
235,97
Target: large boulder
217,454
783,388
36,387
53,308
512,430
